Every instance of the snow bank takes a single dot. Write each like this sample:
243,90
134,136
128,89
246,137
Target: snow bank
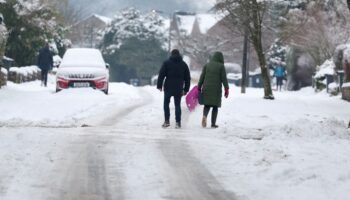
29,104
4,71
327,68
346,85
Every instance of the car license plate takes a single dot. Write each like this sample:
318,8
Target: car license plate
81,84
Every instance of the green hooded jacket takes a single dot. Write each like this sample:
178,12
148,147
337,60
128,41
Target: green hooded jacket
211,80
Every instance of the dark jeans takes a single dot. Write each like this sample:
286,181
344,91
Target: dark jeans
279,82
177,102
44,73
214,113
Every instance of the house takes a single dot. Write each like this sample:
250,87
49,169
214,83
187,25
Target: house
86,33
199,35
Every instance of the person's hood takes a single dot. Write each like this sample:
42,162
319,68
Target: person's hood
176,58
218,57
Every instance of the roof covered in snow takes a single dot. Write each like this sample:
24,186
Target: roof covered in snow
185,23
106,20
207,21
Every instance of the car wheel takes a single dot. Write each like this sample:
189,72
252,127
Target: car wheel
57,90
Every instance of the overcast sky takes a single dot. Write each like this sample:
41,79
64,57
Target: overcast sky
109,7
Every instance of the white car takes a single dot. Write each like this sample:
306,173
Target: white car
83,67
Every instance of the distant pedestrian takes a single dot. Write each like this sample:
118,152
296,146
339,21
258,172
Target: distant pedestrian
210,84
280,74
45,63
177,83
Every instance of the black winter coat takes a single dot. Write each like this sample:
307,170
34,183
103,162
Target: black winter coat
45,59
177,76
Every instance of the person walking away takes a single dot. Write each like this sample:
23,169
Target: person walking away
212,78
45,63
279,73
177,83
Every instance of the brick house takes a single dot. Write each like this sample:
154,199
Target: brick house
86,32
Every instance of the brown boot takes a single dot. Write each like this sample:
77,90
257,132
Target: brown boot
204,121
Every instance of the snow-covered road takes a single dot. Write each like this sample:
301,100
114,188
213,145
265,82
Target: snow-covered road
296,147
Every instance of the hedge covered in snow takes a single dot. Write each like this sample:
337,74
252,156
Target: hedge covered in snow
24,74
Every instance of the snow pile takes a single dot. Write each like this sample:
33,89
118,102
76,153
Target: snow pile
57,60
327,68
29,104
4,71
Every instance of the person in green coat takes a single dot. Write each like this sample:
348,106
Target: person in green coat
210,85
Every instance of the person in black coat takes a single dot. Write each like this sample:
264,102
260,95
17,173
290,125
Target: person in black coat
177,83
45,62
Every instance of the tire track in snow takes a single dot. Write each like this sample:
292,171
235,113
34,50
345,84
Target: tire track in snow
188,177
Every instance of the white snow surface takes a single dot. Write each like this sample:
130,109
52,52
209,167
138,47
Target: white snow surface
4,71
295,147
105,19
83,57
25,70
207,21
42,107
327,68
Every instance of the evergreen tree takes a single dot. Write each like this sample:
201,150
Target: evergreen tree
276,54
31,25
134,45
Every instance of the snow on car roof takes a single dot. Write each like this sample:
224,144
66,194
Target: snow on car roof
83,57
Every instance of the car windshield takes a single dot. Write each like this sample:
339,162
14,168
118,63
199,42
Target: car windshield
83,58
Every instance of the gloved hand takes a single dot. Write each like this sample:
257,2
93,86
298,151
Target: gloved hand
226,92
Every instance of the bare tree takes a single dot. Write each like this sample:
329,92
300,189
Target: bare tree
321,28
248,15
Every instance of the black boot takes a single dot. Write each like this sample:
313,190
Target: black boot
214,115
166,124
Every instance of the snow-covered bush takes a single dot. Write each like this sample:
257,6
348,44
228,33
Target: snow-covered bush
132,23
324,70
134,45
24,74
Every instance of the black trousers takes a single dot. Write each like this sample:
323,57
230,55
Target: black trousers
44,73
279,82
177,102
214,113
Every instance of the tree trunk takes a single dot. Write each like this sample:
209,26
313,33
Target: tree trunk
244,63
256,36
349,4
265,76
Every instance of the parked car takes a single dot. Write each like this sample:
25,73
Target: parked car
83,67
